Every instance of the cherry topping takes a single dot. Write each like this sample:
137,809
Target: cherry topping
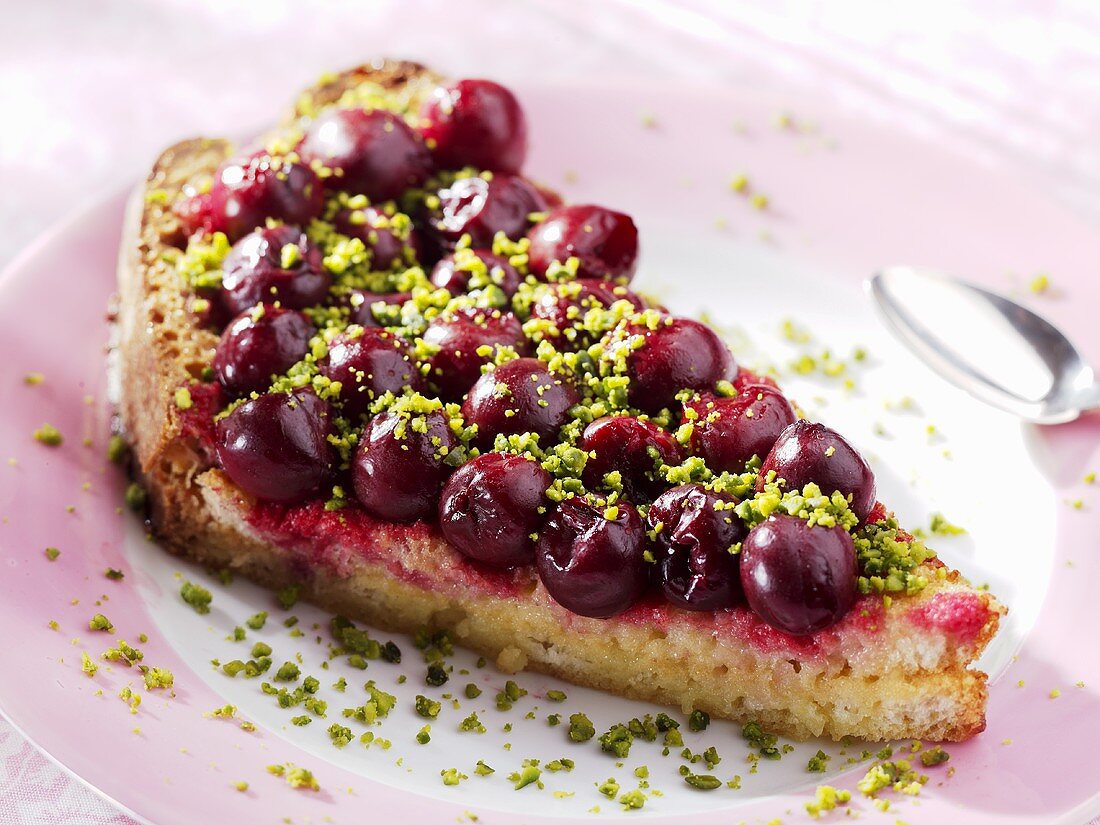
604,241
371,152
635,449
399,470
519,396
565,306
492,505
258,345
275,447
269,265
727,432
459,335
363,302
808,452
678,354
368,363
377,231
797,578
475,123
695,530
481,208
475,269
247,191
590,565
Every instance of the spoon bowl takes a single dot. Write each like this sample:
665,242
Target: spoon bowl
991,347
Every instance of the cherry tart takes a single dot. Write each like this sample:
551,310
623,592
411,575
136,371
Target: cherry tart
435,391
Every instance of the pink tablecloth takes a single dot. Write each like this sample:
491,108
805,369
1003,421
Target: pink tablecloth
90,91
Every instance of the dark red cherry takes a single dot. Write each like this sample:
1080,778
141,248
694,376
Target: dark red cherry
481,208
247,191
565,307
399,470
378,231
369,362
363,303
696,528
274,265
676,354
727,432
459,335
258,345
473,269
492,505
475,123
806,452
635,449
604,241
797,578
590,565
371,152
520,396
275,447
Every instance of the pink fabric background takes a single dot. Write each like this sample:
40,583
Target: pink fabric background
91,91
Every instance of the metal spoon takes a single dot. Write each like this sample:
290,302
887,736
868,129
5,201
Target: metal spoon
987,345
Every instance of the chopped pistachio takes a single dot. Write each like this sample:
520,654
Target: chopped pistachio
49,435
198,597
52,553
101,623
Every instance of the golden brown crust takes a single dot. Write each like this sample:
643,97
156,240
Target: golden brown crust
196,513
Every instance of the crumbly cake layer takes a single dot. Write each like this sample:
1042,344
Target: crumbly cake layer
899,672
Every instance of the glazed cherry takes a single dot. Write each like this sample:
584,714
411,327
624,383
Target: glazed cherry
363,302
565,307
492,505
398,470
274,265
475,123
797,578
604,241
590,565
677,354
635,449
695,530
806,452
369,362
258,345
275,447
519,396
247,191
727,432
376,229
370,152
481,208
459,335
469,269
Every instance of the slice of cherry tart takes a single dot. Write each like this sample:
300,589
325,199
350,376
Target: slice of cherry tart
411,334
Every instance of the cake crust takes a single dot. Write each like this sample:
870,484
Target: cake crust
927,691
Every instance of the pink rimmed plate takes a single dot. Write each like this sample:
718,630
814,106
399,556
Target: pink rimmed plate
843,198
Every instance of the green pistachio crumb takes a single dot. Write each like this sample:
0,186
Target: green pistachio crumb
581,728
33,379
471,723
117,449
114,575
198,597
101,623
87,665
472,691
556,695
451,776
609,788
632,800
482,769
698,720
703,782
934,756
617,741
49,435
424,735
135,496
159,678
288,672
527,775
426,707
827,798
288,596
818,763
436,675
52,553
